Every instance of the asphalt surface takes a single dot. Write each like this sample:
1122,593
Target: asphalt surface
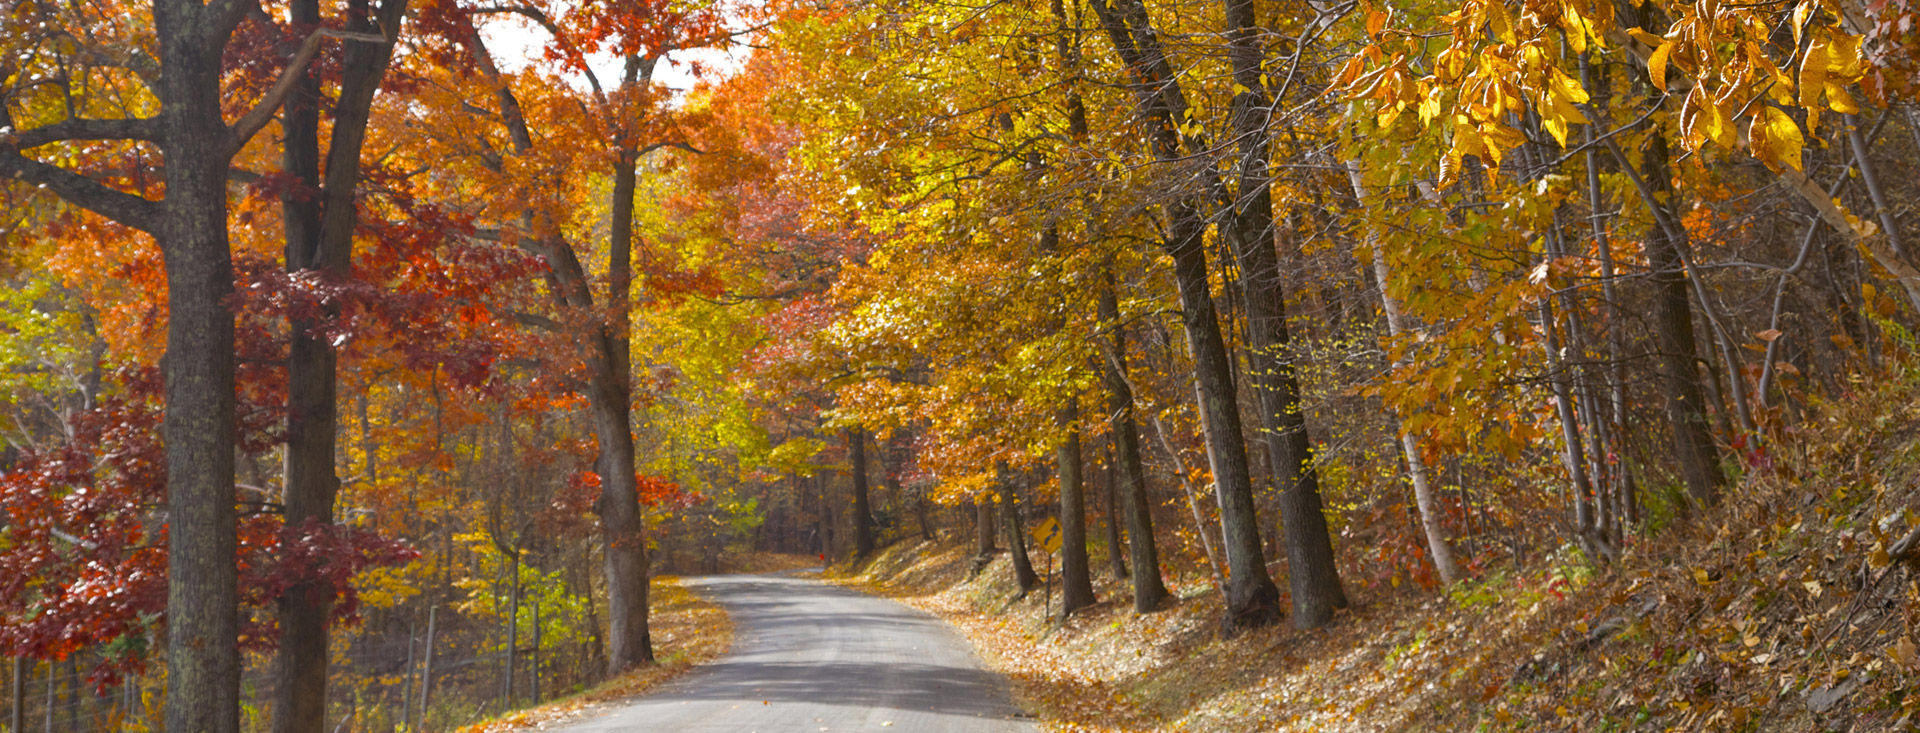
808,656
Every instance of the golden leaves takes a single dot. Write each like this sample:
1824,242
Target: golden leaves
1775,139
1657,64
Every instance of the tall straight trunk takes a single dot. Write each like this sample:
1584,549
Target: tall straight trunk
1149,591
983,526
609,387
1622,488
16,713
1076,573
319,240
623,526
534,668
1313,576
862,511
1116,559
1252,599
190,227
426,667
1423,495
203,658
513,631
1016,530
1693,446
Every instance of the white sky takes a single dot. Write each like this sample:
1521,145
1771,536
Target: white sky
517,44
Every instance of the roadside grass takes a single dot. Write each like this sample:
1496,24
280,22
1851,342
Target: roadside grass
687,631
1789,607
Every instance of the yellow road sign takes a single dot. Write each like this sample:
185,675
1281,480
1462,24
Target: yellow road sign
1047,535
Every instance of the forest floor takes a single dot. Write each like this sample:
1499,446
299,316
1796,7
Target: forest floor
1790,607
687,631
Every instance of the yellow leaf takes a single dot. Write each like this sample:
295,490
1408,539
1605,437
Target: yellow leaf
1700,576
1843,56
1776,139
1813,76
1500,24
1376,22
1813,587
1840,100
1644,37
1568,87
1575,27
1657,65
1801,13
1717,126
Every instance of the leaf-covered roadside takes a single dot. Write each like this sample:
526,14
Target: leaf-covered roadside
687,629
1792,609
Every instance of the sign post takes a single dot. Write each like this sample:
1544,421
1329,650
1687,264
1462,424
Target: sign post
1046,536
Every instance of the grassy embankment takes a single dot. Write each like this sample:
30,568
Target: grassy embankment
687,631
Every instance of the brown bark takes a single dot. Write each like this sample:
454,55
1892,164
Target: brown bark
983,526
1116,548
1016,530
1149,591
606,351
1252,599
1312,575
862,511
319,240
203,658
1686,402
1076,573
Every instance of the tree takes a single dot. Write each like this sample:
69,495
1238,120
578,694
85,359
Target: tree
183,78
320,216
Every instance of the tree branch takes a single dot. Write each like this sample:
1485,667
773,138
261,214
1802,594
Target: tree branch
131,128
675,144
264,110
79,190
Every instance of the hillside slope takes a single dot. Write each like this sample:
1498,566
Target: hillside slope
1791,607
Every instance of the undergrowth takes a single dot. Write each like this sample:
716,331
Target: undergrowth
687,631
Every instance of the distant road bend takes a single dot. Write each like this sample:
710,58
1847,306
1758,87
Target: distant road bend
808,656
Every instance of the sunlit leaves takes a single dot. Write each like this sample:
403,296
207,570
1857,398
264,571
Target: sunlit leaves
1776,139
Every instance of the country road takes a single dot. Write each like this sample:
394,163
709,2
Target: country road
808,656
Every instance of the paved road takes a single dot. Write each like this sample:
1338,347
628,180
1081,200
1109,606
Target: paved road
808,656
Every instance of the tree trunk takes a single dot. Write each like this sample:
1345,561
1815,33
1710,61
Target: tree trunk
319,240
622,525
513,631
983,527
1116,560
1312,574
1076,573
1693,445
203,600
1023,575
1149,591
1252,599
426,667
862,512
1423,496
